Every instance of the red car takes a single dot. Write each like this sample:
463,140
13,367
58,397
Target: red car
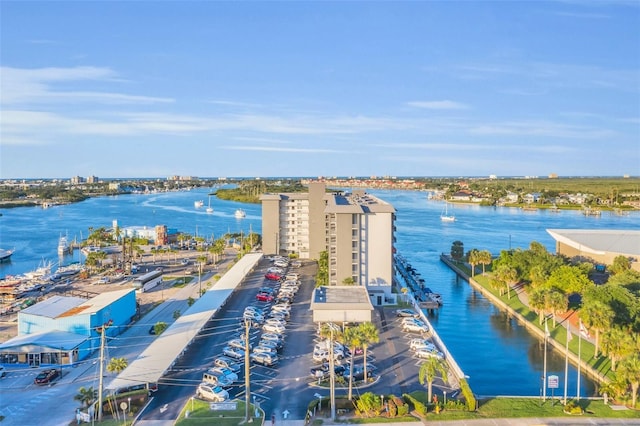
272,276
46,377
264,297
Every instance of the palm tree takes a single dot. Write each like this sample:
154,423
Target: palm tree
630,372
332,332
117,365
617,344
508,275
86,396
370,336
352,339
598,316
537,298
473,258
555,301
428,372
485,259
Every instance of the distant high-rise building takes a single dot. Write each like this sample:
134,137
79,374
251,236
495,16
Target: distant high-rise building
92,179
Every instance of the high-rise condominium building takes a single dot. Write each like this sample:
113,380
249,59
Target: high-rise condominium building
356,229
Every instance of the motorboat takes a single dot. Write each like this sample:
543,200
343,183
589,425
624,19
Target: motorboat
5,255
63,245
239,214
198,204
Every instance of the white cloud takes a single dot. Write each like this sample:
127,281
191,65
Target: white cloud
438,105
280,149
541,128
36,86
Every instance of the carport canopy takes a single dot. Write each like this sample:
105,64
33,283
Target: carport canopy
341,304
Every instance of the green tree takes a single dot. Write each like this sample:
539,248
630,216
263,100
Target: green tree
86,396
348,281
352,339
429,371
617,344
160,327
555,302
370,336
620,264
569,279
322,277
630,372
508,276
176,314
597,316
457,250
473,258
485,258
537,301
117,365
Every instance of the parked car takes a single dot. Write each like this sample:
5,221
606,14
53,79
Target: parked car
276,345
2,372
272,276
215,377
406,313
272,336
429,353
358,372
322,370
212,392
416,344
260,349
235,353
415,328
227,372
274,328
230,363
264,297
322,355
46,376
238,343
264,359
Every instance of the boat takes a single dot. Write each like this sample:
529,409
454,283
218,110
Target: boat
209,208
63,245
5,255
445,216
198,204
239,214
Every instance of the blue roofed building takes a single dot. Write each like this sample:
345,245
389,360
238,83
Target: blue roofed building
64,330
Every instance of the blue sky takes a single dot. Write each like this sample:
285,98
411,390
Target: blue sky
421,88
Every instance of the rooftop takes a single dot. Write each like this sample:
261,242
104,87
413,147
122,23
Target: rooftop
598,241
341,297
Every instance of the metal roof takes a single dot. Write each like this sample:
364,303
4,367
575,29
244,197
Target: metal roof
597,241
159,356
53,306
58,340
341,297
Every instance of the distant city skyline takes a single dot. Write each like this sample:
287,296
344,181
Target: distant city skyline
266,89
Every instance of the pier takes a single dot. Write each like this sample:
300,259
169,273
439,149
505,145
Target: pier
425,297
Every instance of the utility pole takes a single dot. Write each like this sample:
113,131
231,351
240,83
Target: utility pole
101,379
332,375
247,372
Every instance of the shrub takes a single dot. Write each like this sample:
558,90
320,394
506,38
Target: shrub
468,395
418,406
403,407
392,408
572,407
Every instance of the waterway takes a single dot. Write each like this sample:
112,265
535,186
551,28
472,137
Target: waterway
499,356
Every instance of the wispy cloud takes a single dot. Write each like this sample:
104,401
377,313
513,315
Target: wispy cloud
37,86
541,128
583,15
475,147
280,149
438,104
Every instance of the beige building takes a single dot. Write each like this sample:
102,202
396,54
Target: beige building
356,229
602,246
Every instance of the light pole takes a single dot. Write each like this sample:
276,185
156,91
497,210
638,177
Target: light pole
544,370
129,400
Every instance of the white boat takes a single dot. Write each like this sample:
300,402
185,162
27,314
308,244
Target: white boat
63,245
198,204
209,209
239,214
445,216
5,255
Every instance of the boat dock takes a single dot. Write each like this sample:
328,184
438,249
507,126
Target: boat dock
425,297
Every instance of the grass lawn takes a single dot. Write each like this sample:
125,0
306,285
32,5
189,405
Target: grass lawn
203,415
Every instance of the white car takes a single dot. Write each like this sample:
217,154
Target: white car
272,336
235,353
429,353
415,328
238,343
212,393
281,307
416,344
275,321
322,355
274,328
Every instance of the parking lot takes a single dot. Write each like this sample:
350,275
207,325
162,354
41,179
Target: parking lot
288,386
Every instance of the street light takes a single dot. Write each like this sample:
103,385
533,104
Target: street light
129,399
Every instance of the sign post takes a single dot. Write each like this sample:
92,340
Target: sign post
553,384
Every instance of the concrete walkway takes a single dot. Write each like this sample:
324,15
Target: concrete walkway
532,421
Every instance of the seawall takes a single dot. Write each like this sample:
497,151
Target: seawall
558,346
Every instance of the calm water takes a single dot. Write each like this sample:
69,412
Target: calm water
499,356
